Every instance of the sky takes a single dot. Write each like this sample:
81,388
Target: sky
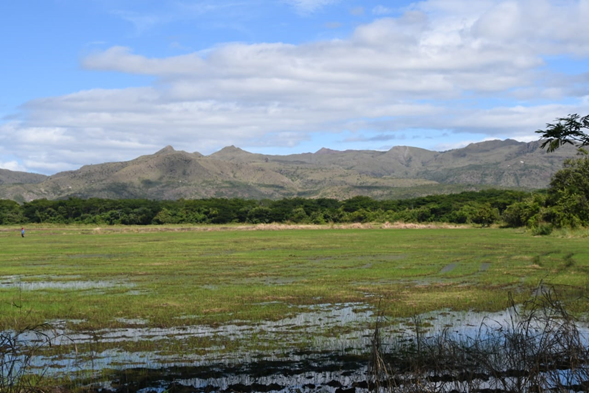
94,81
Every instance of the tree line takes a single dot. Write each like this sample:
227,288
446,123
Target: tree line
483,207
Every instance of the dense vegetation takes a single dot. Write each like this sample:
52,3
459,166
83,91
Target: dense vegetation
483,207
566,203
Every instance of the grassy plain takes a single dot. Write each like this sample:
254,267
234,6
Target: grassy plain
107,278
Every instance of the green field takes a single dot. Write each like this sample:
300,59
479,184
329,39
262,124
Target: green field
101,277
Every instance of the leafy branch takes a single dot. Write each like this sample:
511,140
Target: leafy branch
568,130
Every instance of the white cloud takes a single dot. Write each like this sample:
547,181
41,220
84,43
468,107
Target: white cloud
428,68
122,59
13,166
546,26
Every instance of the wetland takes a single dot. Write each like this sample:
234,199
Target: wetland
193,309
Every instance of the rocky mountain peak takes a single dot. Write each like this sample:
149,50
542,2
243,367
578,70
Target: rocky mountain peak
166,150
325,150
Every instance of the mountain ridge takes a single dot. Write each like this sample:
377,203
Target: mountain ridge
401,171
17,177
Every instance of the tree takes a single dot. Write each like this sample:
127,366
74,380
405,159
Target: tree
529,212
10,212
568,130
568,195
485,215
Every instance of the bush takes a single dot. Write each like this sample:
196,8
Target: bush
542,230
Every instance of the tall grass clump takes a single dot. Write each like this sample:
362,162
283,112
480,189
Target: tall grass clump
19,345
17,350
379,374
536,348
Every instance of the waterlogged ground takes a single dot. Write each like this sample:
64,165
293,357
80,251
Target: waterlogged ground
223,309
324,348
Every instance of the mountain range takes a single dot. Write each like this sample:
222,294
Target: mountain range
400,172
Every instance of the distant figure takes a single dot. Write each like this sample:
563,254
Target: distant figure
22,232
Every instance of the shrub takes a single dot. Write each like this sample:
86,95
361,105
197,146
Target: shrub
542,230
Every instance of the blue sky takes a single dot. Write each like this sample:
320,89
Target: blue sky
102,80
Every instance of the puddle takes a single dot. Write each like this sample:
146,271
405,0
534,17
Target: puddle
135,293
42,277
65,285
62,323
16,282
448,268
129,321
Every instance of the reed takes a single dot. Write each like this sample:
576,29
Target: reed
538,348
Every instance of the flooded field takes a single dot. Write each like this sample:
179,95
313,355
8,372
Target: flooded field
327,348
287,310
323,329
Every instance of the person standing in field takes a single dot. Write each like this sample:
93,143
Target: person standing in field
22,232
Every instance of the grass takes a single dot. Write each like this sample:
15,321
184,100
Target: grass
226,275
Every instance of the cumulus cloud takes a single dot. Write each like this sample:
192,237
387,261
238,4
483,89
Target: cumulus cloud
428,68
540,23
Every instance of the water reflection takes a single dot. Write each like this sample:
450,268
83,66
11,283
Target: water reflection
322,347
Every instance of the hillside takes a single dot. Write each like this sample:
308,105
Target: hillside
232,172
13,177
